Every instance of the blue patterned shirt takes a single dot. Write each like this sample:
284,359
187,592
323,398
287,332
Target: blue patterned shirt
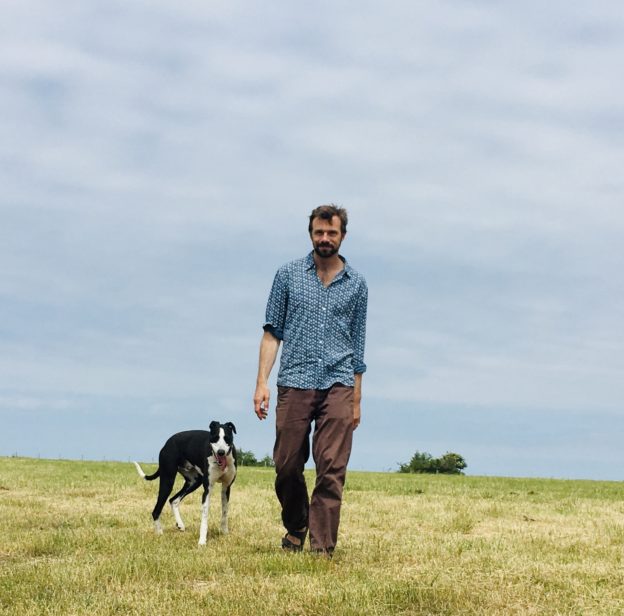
323,329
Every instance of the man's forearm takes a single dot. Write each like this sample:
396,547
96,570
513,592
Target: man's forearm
269,346
357,398
357,388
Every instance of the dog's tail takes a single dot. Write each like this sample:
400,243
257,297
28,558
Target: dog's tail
144,476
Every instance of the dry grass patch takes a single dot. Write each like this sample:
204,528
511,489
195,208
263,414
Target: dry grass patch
77,538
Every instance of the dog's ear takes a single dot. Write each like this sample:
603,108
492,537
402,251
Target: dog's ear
214,426
231,426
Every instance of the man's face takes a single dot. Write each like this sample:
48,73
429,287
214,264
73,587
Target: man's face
326,236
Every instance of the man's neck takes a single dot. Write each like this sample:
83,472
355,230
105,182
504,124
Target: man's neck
329,264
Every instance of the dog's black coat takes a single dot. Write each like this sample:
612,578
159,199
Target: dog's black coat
203,458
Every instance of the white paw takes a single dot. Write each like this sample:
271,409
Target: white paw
224,530
181,528
201,542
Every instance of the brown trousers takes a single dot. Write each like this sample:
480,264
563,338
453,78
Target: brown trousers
331,410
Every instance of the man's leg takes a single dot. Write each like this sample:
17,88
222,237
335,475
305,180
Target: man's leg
331,448
292,449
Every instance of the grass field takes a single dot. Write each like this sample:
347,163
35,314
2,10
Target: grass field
77,538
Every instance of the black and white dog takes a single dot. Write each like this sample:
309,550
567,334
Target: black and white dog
202,458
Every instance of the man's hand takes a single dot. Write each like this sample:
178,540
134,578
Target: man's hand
357,413
261,400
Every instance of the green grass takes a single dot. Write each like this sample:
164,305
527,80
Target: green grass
77,538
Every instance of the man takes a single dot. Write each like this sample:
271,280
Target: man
317,308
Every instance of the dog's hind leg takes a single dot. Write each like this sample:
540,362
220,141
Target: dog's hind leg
175,506
189,486
166,485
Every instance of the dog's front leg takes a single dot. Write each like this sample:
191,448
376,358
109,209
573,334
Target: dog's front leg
225,502
203,528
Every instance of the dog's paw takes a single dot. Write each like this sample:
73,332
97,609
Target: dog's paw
181,528
225,530
201,542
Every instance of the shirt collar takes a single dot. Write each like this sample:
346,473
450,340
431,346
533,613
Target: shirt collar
310,264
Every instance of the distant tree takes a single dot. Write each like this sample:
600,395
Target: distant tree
423,462
452,464
248,458
266,461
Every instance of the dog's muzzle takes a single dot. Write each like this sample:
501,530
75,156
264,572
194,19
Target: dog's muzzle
221,458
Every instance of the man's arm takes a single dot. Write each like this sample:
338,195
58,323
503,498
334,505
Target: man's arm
359,337
357,399
269,346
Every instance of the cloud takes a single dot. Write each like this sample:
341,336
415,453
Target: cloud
155,179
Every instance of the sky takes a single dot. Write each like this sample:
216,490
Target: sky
159,162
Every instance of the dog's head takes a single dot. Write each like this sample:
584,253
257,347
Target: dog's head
221,441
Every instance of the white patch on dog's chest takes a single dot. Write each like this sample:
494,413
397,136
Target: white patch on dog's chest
228,475
219,475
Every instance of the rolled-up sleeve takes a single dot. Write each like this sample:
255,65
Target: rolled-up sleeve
277,304
359,330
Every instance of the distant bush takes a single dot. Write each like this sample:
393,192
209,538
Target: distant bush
247,458
423,462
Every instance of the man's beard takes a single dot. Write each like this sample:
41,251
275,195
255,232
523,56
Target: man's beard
324,250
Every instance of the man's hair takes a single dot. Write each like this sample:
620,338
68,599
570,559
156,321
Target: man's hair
327,212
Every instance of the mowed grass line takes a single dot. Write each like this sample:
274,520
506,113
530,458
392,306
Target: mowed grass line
77,538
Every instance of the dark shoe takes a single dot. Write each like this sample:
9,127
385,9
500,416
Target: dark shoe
291,546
